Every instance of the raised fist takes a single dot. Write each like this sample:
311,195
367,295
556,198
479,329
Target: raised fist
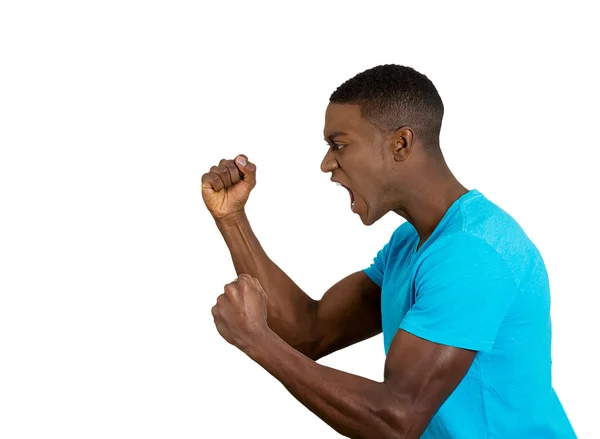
226,187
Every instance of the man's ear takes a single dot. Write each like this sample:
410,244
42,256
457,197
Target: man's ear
402,143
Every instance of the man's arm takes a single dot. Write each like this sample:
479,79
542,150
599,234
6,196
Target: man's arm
419,374
314,327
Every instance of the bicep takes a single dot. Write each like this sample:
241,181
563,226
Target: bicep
421,375
349,312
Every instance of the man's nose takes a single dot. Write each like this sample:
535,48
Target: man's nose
329,163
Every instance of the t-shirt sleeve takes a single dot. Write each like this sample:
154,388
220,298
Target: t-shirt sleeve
376,269
463,289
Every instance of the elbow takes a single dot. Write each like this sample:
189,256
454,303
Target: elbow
313,343
394,423
397,419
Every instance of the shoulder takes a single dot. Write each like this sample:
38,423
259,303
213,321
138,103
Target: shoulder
486,227
462,258
461,246
484,219
478,221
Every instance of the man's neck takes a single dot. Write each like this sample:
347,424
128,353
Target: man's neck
428,205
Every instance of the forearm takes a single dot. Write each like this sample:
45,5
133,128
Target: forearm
354,406
291,312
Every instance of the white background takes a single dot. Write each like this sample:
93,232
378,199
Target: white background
111,111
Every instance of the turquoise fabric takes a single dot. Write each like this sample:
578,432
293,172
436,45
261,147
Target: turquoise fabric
479,283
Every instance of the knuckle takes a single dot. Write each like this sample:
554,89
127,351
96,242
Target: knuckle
212,179
235,172
223,172
229,165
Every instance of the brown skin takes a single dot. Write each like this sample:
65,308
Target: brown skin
266,315
418,377
315,328
387,171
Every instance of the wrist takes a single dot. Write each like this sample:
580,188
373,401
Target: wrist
260,344
231,219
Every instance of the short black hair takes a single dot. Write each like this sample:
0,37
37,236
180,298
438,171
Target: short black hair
391,96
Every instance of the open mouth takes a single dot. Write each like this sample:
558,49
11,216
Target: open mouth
351,195
351,198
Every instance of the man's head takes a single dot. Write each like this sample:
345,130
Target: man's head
382,127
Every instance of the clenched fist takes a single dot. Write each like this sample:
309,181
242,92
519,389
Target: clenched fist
241,311
225,189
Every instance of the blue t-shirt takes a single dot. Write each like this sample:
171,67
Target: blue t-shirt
478,283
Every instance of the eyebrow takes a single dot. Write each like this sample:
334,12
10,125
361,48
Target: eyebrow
334,135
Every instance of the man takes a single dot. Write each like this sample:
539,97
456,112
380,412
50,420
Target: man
460,292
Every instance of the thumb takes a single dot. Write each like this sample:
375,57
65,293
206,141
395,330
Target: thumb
247,169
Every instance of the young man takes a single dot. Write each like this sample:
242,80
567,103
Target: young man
460,292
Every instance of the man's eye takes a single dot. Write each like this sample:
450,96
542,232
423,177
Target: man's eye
337,146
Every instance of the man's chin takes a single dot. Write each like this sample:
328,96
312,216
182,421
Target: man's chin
368,219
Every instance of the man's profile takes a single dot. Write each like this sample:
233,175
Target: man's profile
460,292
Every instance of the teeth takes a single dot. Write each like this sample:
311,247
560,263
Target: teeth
337,184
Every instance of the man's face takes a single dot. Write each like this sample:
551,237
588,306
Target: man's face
357,159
